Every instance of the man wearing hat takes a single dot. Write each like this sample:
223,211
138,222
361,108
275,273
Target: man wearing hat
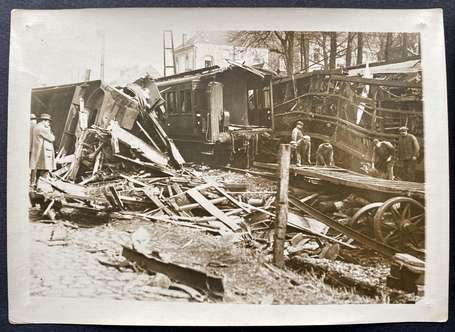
301,145
407,153
42,153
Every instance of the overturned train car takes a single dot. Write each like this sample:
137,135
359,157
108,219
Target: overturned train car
218,114
98,125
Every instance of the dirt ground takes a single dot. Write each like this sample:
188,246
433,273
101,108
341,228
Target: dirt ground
71,268
69,265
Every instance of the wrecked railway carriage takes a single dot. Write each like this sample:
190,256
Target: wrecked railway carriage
349,111
218,112
91,119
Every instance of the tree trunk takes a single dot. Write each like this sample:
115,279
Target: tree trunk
382,42
388,46
404,45
288,46
324,50
359,48
306,52
333,50
349,49
301,49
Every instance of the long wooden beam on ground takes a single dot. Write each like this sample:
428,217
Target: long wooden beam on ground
212,209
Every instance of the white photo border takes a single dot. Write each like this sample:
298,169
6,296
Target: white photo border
433,307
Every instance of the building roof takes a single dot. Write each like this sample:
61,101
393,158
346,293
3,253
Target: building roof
212,71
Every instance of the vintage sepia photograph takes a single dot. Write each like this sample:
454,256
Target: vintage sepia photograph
223,166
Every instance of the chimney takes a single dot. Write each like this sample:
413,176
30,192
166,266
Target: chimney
87,74
183,38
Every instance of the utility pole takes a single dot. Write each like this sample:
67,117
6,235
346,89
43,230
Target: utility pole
168,38
103,49
281,205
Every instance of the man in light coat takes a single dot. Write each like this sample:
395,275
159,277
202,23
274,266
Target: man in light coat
42,153
296,141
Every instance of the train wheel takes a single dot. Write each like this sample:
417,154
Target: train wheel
400,223
363,219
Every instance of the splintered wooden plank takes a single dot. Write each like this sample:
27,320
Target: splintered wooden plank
155,200
232,199
212,209
357,180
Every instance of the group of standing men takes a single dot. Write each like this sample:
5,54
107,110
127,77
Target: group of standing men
302,148
383,156
41,155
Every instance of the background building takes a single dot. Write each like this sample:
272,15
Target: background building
210,48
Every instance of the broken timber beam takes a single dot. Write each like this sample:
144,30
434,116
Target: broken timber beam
212,209
195,205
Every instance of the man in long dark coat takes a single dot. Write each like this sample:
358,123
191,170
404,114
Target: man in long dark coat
42,153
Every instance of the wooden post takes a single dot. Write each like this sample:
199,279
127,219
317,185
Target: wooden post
281,205
272,111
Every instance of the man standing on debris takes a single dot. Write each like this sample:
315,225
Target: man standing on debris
382,158
324,155
297,142
408,152
42,150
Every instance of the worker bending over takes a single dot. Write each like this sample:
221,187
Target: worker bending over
324,155
382,158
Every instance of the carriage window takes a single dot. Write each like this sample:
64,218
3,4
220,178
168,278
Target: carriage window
181,107
266,94
188,101
171,102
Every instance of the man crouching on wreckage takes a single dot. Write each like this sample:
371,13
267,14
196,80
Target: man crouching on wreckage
103,131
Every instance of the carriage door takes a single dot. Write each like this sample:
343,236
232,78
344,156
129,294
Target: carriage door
215,110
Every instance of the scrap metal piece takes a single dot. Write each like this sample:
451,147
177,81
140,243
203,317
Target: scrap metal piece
192,277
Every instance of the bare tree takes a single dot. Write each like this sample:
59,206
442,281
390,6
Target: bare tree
333,49
349,49
388,46
359,48
304,51
279,42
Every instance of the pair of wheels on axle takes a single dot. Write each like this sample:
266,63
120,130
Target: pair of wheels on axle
398,222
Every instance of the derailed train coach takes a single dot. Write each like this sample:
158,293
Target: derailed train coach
85,113
351,108
218,114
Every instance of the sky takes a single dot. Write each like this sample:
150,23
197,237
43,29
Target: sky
56,48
